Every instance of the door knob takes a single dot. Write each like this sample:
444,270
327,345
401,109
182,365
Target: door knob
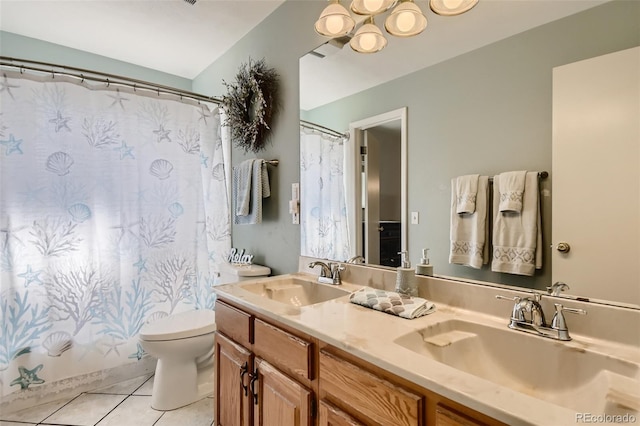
563,247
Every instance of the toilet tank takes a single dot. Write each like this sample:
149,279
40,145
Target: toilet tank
231,273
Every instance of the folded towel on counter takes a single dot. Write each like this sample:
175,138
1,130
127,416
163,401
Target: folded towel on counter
517,237
259,189
392,303
469,233
512,190
466,192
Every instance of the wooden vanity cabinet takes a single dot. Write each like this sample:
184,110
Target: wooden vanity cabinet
264,372
270,374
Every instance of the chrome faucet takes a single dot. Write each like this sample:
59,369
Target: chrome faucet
556,288
527,315
329,274
356,259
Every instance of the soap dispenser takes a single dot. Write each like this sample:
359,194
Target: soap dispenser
405,284
424,268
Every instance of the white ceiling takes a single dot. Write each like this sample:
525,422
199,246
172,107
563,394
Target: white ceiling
172,36
182,39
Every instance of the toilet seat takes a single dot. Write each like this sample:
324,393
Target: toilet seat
180,326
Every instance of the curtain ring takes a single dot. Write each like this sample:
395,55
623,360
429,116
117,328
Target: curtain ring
108,82
134,87
82,75
53,74
158,89
21,69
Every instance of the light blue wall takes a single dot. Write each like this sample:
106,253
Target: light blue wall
17,46
280,39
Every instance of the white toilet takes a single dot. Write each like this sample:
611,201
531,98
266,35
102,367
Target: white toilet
184,346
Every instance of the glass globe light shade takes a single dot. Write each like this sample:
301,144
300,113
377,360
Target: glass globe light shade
451,7
405,20
334,21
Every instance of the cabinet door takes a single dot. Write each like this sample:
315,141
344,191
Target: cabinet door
233,365
331,416
280,400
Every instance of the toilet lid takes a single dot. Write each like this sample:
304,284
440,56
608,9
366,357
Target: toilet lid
180,326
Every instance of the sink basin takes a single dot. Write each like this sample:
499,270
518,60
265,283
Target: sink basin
564,374
296,292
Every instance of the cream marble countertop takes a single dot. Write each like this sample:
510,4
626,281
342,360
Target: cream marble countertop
370,335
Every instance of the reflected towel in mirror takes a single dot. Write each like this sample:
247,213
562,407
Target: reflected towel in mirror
469,233
466,192
511,191
517,237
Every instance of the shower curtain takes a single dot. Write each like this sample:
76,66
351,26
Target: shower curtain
323,212
113,213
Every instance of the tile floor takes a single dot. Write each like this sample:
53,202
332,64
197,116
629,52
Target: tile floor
126,403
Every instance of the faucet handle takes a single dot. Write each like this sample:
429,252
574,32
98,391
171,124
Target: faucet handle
516,312
558,321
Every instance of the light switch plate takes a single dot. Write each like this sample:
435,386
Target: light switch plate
415,218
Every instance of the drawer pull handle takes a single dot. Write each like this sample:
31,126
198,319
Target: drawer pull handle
243,370
254,378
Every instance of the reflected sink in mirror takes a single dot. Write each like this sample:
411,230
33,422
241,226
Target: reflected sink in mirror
589,382
295,292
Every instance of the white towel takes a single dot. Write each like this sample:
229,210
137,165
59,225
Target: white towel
512,189
242,185
469,233
259,189
466,192
517,237
392,303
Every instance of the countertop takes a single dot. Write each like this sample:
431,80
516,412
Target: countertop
370,335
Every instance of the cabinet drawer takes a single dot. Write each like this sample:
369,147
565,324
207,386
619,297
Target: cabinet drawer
375,398
286,351
448,417
234,323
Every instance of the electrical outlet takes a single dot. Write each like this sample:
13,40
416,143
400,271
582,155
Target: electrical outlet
415,218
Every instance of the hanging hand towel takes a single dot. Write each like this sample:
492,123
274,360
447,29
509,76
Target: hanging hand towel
466,192
517,237
259,189
392,303
242,186
469,233
512,187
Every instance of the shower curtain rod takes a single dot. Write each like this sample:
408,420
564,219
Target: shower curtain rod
101,77
314,126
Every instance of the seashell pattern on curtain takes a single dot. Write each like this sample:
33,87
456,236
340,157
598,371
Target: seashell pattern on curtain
113,213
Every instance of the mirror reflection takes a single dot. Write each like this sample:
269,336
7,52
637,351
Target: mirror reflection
486,111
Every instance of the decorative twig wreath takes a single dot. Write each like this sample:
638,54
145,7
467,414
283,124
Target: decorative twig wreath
250,105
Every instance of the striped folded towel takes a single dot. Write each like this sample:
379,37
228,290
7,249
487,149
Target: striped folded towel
392,303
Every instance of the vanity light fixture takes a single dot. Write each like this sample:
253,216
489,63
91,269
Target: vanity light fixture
451,7
368,38
371,7
406,20
335,21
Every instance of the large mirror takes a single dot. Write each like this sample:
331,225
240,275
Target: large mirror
485,109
